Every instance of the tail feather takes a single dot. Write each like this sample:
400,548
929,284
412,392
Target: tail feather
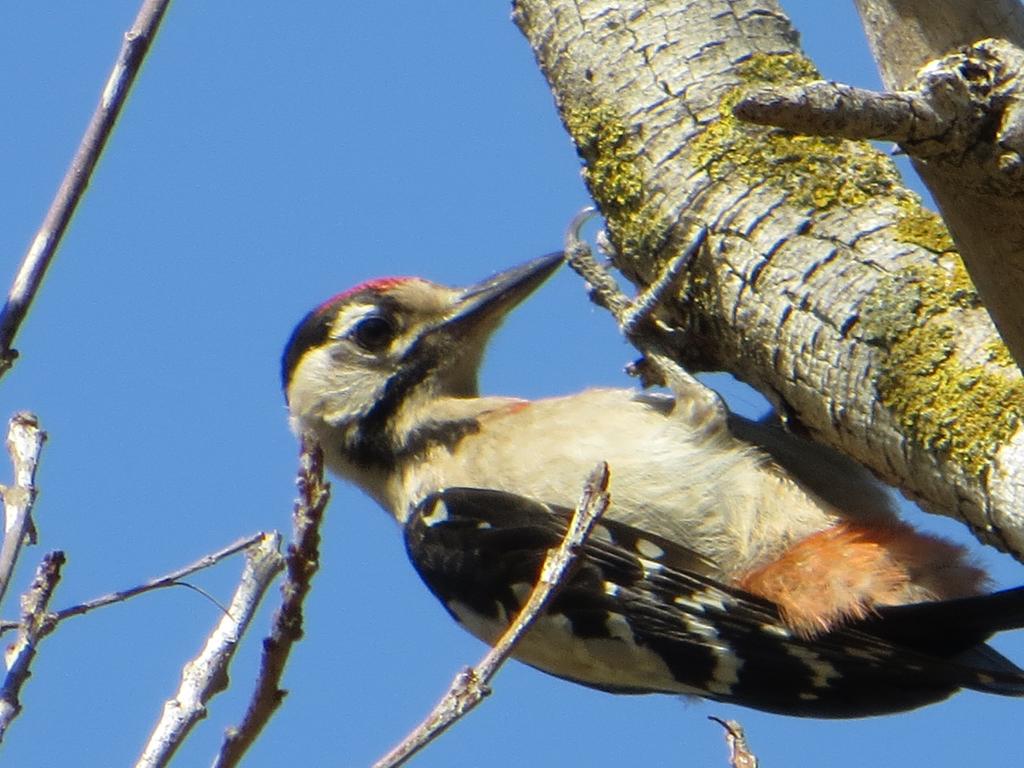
991,671
950,627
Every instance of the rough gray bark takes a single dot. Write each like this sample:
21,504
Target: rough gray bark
978,182
825,284
906,34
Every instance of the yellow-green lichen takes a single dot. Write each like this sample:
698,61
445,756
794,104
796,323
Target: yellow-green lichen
813,171
613,173
964,411
777,69
999,354
919,226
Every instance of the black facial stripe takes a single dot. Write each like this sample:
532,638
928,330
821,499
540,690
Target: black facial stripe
371,443
438,433
315,328
311,332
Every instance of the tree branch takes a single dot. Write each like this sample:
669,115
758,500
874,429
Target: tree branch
975,47
302,562
835,109
206,675
44,245
34,627
823,282
740,755
168,580
24,443
471,685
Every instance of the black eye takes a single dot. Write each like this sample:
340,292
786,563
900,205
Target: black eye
373,333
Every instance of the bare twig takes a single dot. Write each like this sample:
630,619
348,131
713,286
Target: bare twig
471,684
44,245
24,442
34,627
171,579
302,561
740,755
168,580
206,675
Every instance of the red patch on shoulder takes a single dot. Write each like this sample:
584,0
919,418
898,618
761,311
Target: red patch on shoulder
377,285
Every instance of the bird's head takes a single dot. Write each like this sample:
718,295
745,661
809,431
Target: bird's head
360,358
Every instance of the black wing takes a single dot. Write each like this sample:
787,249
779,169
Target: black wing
481,550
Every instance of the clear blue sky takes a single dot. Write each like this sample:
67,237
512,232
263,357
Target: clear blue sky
270,157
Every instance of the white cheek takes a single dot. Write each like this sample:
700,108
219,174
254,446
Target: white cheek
326,389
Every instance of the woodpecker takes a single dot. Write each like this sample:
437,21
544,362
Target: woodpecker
736,562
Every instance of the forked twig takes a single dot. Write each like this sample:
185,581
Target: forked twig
207,674
167,580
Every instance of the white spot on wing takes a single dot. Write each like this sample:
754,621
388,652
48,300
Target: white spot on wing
821,670
686,602
700,627
650,567
438,513
726,672
618,627
710,598
649,549
860,653
775,629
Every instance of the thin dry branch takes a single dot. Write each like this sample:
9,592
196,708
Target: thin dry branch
207,675
301,562
24,443
171,579
471,685
137,41
34,627
168,580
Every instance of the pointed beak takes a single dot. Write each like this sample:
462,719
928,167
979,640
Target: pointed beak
481,307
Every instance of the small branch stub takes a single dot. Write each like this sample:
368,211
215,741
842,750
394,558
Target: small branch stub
966,110
835,109
740,755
